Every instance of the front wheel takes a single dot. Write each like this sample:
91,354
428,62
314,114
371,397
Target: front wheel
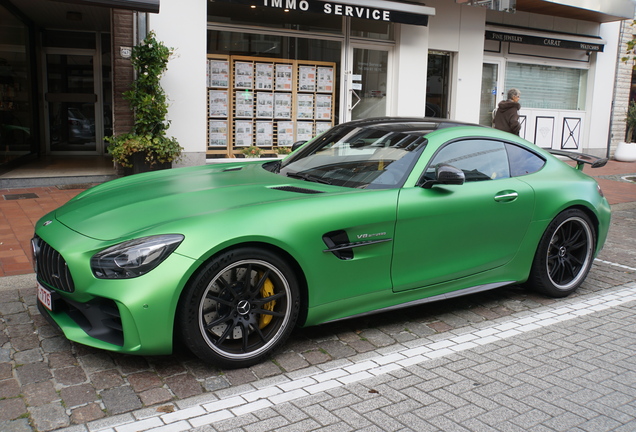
240,307
565,254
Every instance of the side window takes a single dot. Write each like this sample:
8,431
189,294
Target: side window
522,161
479,159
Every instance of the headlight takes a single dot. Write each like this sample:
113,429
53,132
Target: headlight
134,258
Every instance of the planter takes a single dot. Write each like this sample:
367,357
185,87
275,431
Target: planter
625,152
140,165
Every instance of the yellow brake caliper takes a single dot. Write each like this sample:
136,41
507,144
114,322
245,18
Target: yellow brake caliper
266,291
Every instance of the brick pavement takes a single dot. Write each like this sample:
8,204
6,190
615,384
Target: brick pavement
48,383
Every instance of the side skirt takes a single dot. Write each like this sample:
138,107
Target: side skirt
445,296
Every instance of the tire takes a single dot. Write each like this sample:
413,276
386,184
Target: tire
240,308
565,254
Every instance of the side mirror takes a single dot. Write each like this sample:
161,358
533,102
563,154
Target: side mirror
297,145
447,175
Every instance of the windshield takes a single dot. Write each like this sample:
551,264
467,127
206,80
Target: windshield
364,158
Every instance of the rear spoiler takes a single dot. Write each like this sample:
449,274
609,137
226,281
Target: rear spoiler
581,158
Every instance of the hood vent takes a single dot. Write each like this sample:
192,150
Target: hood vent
297,190
233,169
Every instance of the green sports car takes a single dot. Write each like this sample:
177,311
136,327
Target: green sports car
370,216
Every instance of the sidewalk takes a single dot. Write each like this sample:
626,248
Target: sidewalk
20,209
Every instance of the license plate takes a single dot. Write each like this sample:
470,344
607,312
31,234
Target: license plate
44,296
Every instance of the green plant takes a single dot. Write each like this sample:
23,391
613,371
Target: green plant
630,121
283,150
251,152
149,102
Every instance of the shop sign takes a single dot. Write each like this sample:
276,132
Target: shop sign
338,9
543,41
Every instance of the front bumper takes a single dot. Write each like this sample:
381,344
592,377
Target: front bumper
134,316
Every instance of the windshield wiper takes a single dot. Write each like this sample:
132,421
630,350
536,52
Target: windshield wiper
308,177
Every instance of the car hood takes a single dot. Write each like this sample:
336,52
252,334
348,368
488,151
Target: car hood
132,204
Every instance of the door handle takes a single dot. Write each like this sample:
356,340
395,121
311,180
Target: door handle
506,196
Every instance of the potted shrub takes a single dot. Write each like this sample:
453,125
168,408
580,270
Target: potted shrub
626,151
251,152
147,147
283,151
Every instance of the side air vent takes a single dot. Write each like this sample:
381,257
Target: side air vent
297,190
233,169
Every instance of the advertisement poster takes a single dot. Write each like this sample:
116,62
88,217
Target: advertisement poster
218,73
305,106
244,104
264,133
243,135
322,127
325,79
306,78
217,132
323,107
243,75
264,105
285,133
283,105
283,77
264,76
217,103
305,131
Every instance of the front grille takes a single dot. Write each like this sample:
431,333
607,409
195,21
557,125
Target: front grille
50,267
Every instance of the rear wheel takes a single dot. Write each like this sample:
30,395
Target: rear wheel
241,307
565,254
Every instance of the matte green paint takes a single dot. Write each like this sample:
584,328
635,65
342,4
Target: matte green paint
441,242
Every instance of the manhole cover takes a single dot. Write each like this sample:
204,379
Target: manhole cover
21,196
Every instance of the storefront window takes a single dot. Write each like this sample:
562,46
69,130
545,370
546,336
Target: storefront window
548,87
16,115
371,29
240,14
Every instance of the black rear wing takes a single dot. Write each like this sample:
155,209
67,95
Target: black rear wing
581,158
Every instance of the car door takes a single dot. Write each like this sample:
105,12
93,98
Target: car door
449,232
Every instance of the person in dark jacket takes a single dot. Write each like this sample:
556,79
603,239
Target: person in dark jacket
507,114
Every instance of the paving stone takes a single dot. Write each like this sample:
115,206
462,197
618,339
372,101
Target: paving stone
56,344
143,381
41,393
315,357
32,373
19,425
70,375
291,361
337,349
240,376
5,371
78,395
88,413
28,356
155,396
106,379
12,307
184,386
97,361
265,369
167,366
215,383
11,409
49,417
5,355
9,388
130,364
120,400
59,360
16,319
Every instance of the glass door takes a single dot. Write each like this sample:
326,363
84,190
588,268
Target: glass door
71,96
369,83
490,90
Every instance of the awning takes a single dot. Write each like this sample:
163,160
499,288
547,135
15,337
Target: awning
554,40
376,10
588,10
151,6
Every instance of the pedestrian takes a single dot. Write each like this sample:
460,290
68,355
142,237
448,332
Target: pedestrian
506,116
